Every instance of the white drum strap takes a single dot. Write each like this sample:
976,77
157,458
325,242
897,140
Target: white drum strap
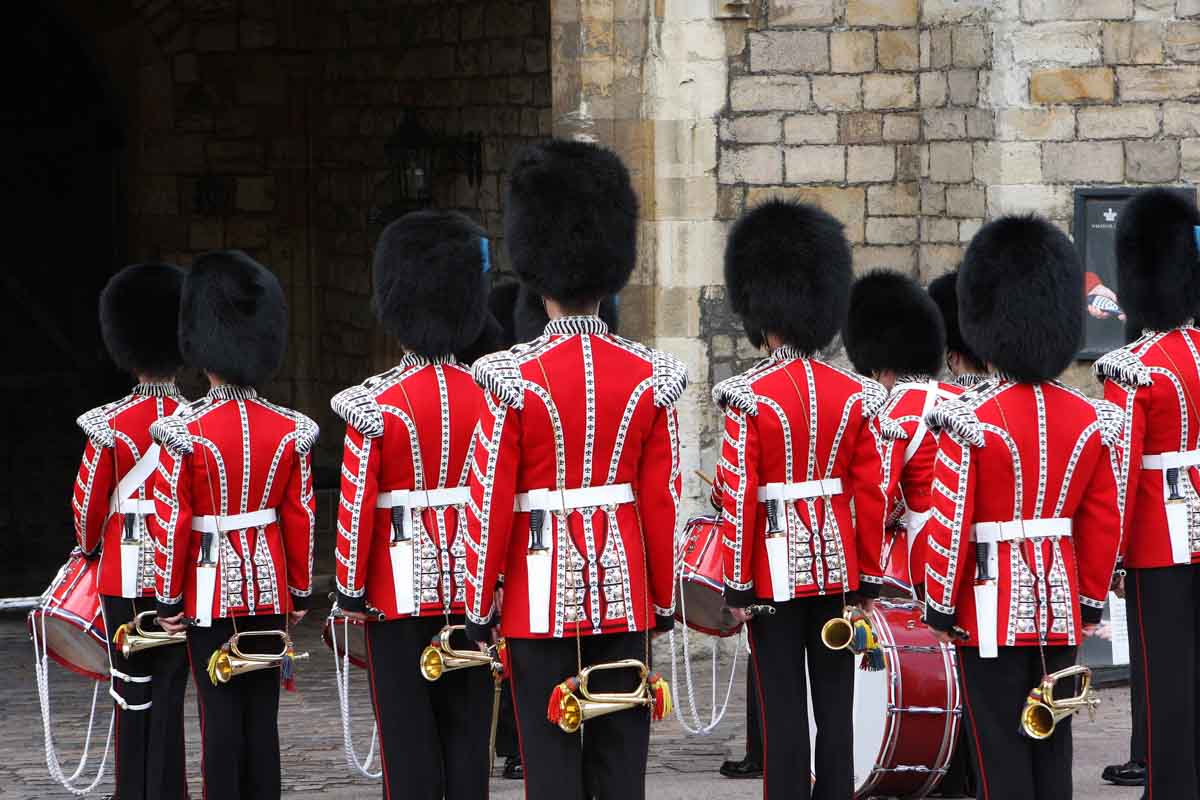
341,676
41,673
716,714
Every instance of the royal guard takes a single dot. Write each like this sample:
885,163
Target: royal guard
113,498
961,361
1023,536
402,534
894,334
234,519
1155,381
798,450
575,484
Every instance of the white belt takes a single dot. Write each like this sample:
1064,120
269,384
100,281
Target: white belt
128,485
1013,530
800,491
416,498
143,508
1187,458
566,499
234,522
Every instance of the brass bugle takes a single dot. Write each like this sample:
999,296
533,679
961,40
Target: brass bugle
134,637
229,662
1043,711
441,657
578,706
838,633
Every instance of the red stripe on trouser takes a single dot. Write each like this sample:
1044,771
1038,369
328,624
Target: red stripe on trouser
974,734
512,689
387,788
1146,674
762,707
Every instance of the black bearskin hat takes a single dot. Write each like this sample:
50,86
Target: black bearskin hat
431,281
1020,297
1158,263
491,339
944,292
530,317
893,325
788,271
233,319
139,319
571,221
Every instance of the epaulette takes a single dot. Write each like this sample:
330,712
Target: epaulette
172,433
874,397
737,393
670,378
96,427
307,432
891,430
1112,421
500,374
359,408
1123,367
959,420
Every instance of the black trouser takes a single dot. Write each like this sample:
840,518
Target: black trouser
150,748
994,691
239,720
1137,680
1166,604
507,745
780,644
433,735
754,733
606,762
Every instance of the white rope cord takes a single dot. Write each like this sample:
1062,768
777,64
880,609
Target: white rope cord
41,672
341,669
697,726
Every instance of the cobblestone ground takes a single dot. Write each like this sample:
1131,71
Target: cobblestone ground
681,766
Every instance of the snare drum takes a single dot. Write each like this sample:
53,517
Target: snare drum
906,716
74,627
701,604
356,634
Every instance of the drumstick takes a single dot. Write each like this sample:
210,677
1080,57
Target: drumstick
703,477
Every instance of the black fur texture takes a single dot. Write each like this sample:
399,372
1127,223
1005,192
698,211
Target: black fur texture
788,272
430,287
491,338
530,317
893,325
1020,298
139,319
943,289
233,319
1158,265
571,221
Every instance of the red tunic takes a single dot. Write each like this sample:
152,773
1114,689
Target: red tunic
232,453
435,404
770,413
1020,453
1155,381
118,436
578,407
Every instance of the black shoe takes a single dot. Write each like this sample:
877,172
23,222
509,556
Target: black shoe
1131,773
514,770
742,769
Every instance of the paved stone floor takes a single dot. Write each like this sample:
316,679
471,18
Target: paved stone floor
680,766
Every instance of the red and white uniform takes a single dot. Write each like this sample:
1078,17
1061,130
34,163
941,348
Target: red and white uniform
238,464
408,437
1025,470
118,438
769,448
1155,381
579,427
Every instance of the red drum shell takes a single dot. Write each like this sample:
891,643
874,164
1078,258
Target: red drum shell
701,580
356,634
74,626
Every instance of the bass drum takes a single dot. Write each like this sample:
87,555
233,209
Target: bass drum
907,715
354,632
701,604
69,614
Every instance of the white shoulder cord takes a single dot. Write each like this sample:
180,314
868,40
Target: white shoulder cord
341,669
697,726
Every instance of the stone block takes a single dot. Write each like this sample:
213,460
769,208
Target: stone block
1188,8
847,204
206,234
216,37
861,127
981,123
1133,43
944,124
1118,122
1008,162
883,90
891,230
1073,43
255,194
938,259
895,199
1042,10
1158,83
837,92
871,257
758,164
852,51
1083,162
890,13
970,45
940,12
1189,152
912,162
935,229
1152,162
1181,119
968,228
756,129
901,127
950,162
797,13
1182,41
1049,86
1036,124
898,50
937,48
157,194
769,93
933,89
1153,9
789,51
966,200
815,164
811,129
870,164
964,86
933,199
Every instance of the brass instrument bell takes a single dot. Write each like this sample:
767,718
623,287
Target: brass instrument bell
227,663
441,657
133,637
1043,711
839,633
576,705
